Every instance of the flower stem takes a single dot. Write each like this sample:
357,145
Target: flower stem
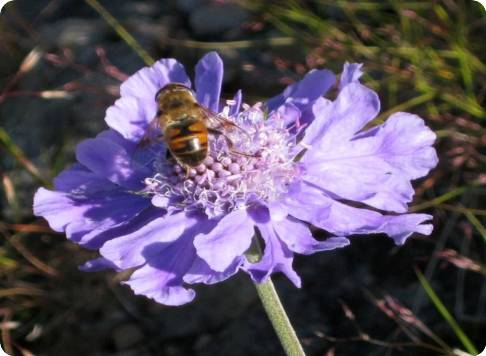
279,319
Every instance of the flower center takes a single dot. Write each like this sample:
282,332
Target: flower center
257,165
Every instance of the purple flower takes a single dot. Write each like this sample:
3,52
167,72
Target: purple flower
309,162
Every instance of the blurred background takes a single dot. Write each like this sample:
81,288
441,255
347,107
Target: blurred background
61,65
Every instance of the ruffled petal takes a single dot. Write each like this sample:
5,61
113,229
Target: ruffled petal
127,117
97,264
200,272
276,258
101,223
278,210
303,93
289,113
86,218
162,281
149,236
136,108
80,179
117,138
316,110
338,121
228,240
235,108
109,160
305,203
367,179
406,142
348,220
351,73
344,220
376,169
298,238
167,263
209,78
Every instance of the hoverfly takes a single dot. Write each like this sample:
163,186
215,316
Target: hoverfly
186,125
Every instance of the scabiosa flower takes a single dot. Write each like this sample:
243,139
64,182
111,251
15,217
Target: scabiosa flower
307,162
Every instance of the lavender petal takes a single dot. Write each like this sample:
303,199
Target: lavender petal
351,74
303,93
298,238
228,240
209,77
376,169
340,120
276,258
112,161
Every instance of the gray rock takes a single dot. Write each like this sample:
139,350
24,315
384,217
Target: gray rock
126,335
217,19
75,32
151,8
189,6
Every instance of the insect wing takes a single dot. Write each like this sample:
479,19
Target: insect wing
151,134
216,121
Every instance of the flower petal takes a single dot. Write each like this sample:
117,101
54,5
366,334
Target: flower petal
278,210
85,219
298,238
96,265
112,161
170,256
289,113
127,117
303,93
209,77
376,169
235,108
228,240
318,110
162,282
406,143
81,179
276,258
57,208
351,73
101,222
344,220
306,204
200,272
338,122
367,179
147,237
117,138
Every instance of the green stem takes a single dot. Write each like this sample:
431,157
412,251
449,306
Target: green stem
280,321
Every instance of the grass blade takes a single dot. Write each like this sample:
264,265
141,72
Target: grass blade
434,298
121,31
14,150
476,223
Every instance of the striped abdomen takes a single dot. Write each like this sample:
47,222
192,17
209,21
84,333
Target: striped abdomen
187,140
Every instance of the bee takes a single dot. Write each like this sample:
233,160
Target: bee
185,125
